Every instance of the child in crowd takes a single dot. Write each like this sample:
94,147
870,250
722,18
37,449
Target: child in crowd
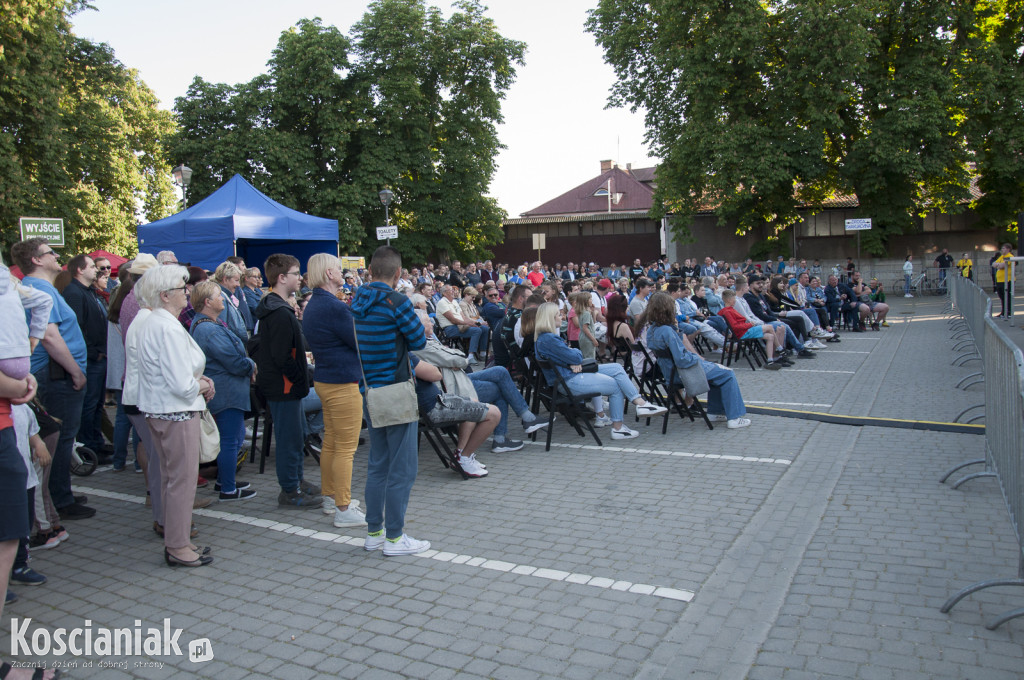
26,432
18,339
581,325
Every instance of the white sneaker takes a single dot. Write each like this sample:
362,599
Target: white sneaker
534,425
908,295
473,457
624,433
471,358
602,421
471,467
349,518
406,545
737,423
649,409
717,417
818,333
328,507
374,542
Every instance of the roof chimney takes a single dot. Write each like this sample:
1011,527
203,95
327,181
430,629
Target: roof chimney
607,165
629,168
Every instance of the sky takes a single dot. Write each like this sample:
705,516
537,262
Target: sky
557,128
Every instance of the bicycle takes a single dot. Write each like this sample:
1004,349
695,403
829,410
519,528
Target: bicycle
919,284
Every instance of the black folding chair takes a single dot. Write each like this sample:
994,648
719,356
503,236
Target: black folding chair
258,404
751,349
438,436
672,386
559,398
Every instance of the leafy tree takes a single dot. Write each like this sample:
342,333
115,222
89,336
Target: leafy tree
80,135
411,102
750,103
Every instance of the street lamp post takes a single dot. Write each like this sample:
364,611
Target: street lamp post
386,196
182,177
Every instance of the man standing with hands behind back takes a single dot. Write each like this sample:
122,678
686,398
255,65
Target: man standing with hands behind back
382,316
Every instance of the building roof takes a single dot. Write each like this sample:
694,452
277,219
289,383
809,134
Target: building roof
580,217
629,194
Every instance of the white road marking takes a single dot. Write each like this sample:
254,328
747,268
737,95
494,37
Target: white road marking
786,403
679,454
454,558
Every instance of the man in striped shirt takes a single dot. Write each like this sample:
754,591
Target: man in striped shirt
387,328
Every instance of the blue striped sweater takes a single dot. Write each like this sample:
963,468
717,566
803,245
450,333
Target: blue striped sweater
380,315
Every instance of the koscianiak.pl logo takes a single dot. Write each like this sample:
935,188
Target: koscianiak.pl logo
90,641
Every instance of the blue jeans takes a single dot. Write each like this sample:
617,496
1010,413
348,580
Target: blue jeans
312,414
718,323
906,284
610,380
494,386
122,431
288,440
64,402
89,432
231,424
791,340
724,396
477,336
390,472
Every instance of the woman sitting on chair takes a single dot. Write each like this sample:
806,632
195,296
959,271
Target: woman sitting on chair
476,421
724,399
609,380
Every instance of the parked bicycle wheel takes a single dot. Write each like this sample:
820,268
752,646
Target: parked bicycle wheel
83,461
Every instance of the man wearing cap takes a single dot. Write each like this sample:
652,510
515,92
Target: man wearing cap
59,364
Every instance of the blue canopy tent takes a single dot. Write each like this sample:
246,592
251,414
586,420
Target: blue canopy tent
239,220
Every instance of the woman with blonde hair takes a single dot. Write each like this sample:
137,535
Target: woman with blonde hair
610,379
328,326
228,276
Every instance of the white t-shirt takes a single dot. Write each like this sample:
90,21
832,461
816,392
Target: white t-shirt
444,306
25,426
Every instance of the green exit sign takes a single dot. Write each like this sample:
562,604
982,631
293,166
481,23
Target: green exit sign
50,228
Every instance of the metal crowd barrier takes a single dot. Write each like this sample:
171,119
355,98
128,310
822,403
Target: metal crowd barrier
1003,365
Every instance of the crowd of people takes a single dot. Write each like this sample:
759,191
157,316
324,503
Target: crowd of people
170,346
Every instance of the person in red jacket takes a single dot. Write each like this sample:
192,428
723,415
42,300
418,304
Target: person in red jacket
744,330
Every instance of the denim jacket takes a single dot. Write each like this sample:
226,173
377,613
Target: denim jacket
550,347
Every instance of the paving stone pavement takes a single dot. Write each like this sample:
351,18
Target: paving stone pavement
791,549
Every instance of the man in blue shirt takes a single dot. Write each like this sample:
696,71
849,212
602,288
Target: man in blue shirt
59,365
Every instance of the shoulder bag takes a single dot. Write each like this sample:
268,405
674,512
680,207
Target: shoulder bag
393,404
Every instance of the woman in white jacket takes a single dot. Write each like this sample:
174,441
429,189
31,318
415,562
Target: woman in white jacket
908,271
172,393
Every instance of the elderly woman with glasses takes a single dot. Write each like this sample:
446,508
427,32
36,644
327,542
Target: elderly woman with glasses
172,394
231,369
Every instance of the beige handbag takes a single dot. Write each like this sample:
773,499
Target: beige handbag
209,438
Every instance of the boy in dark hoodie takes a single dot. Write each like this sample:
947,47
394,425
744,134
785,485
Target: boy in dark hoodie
381,317
283,378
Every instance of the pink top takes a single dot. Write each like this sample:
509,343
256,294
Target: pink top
574,328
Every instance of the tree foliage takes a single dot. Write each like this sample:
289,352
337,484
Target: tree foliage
411,101
752,103
80,135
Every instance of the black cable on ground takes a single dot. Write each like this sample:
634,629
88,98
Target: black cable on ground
861,421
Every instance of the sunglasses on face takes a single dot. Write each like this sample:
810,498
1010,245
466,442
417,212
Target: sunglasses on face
103,269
